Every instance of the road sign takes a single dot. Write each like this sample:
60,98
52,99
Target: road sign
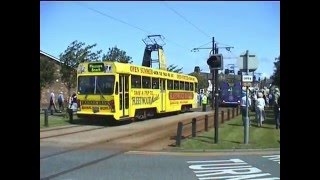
252,62
247,78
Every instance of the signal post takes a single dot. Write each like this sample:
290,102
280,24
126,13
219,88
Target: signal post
215,63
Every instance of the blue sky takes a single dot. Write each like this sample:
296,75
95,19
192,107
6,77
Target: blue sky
253,26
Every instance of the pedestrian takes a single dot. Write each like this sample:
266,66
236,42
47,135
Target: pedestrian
276,107
243,106
73,102
52,103
60,101
204,102
260,104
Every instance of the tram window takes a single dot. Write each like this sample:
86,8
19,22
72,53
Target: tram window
195,87
146,82
136,81
191,87
186,86
170,85
181,85
155,83
105,84
176,85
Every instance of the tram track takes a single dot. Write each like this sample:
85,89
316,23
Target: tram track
69,133
122,144
59,128
126,142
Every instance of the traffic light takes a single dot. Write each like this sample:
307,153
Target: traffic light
239,73
226,71
215,61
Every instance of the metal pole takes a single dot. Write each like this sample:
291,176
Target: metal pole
212,79
46,118
216,108
246,128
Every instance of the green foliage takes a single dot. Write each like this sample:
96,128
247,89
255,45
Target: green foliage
202,82
173,68
75,53
47,76
276,74
115,54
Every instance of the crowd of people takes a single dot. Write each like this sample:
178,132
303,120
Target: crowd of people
70,102
258,101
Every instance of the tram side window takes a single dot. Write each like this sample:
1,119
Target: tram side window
135,81
155,83
181,85
186,86
195,87
176,85
170,85
191,87
146,82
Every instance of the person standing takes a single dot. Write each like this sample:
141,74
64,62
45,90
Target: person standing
260,104
60,101
243,105
73,102
204,102
52,103
276,107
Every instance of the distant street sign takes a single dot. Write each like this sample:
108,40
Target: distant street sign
247,78
252,62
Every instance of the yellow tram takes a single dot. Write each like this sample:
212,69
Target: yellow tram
123,91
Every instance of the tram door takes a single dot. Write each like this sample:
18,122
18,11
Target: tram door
124,94
163,94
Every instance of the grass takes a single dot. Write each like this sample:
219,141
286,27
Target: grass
62,119
231,135
55,120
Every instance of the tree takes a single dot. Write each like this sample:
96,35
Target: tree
75,53
276,74
115,54
47,76
202,82
174,68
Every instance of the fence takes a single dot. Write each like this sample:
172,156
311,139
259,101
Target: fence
194,126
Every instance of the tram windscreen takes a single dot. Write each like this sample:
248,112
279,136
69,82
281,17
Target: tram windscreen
103,84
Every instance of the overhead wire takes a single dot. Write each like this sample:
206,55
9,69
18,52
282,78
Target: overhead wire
184,18
131,25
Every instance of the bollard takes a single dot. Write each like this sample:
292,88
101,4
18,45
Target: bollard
46,124
194,127
179,134
70,111
228,114
232,112
237,112
206,122
222,117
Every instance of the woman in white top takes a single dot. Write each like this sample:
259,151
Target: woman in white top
260,104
